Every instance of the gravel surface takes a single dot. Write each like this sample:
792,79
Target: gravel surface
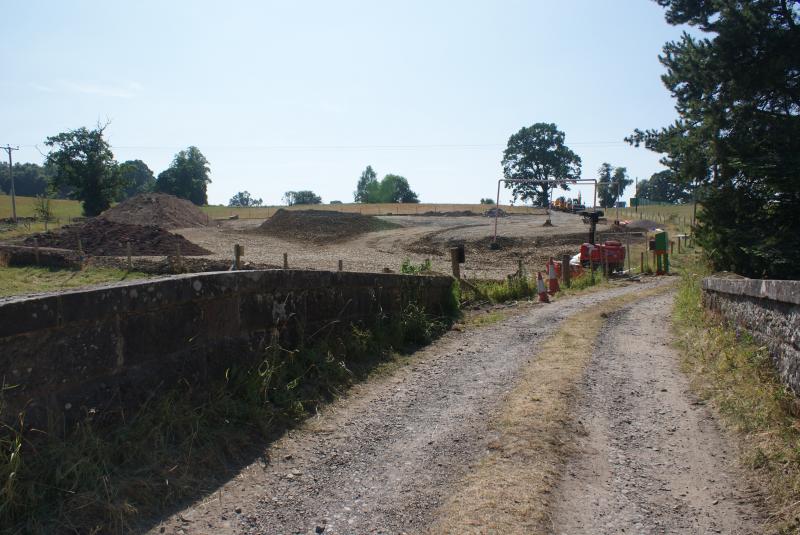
386,250
653,459
384,458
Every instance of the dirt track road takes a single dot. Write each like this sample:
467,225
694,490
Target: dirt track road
653,459
386,457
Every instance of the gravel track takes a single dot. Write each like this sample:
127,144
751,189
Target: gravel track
386,456
653,459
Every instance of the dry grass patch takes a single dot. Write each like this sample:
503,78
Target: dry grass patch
737,375
509,490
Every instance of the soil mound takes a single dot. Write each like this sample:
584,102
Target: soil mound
101,237
457,213
495,212
642,224
320,226
160,209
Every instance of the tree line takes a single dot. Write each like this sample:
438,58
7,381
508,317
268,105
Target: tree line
80,165
736,142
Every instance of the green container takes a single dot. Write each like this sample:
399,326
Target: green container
662,241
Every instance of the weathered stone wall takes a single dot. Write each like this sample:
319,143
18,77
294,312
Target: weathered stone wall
769,310
106,351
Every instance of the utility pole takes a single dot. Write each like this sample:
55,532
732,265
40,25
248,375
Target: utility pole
8,149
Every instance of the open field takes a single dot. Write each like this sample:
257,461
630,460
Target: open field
263,212
522,237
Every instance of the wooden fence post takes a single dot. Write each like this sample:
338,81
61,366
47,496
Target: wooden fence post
285,260
454,262
565,273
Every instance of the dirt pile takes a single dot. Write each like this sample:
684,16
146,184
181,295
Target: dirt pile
160,209
457,213
495,212
101,237
320,226
640,224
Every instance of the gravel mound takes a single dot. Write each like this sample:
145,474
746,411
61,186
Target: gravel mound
160,209
101,237
320,226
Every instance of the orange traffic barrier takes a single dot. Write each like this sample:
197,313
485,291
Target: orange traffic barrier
552,277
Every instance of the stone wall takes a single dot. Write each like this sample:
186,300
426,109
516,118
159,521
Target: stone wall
769,310
106,351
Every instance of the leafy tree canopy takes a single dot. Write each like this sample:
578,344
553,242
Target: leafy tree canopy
301,197
244,199
187,177
664,187
367,187
82,160
611,183
487,200
136,177
538,152
30,179
394,189
391,189
737,138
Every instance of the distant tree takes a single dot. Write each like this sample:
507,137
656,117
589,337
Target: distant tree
664,187
301,197
137,178
30,179
604,185
244,200
82,160
538,152
335,202
187,177
487,200
611,183
395,189
367,187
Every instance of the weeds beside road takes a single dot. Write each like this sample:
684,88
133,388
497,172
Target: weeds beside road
738,377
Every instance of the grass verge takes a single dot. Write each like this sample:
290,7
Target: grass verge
510,488
24,280
186,442
737,375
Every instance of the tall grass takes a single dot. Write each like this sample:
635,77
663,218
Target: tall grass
737,374
98,480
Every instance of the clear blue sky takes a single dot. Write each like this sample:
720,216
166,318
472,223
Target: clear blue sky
303,95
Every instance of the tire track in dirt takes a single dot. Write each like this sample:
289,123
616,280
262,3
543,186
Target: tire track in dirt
653,459
384,458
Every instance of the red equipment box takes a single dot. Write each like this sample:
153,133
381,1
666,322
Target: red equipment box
610,251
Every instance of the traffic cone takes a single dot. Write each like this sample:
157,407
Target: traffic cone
553,278
541,289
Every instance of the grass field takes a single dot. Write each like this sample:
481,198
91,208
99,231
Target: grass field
25,280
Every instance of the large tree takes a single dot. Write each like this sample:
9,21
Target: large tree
367,187
187,177
82,161
136,177
301,197
737,138
390,189
538,152
243,199
395,188
663,186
